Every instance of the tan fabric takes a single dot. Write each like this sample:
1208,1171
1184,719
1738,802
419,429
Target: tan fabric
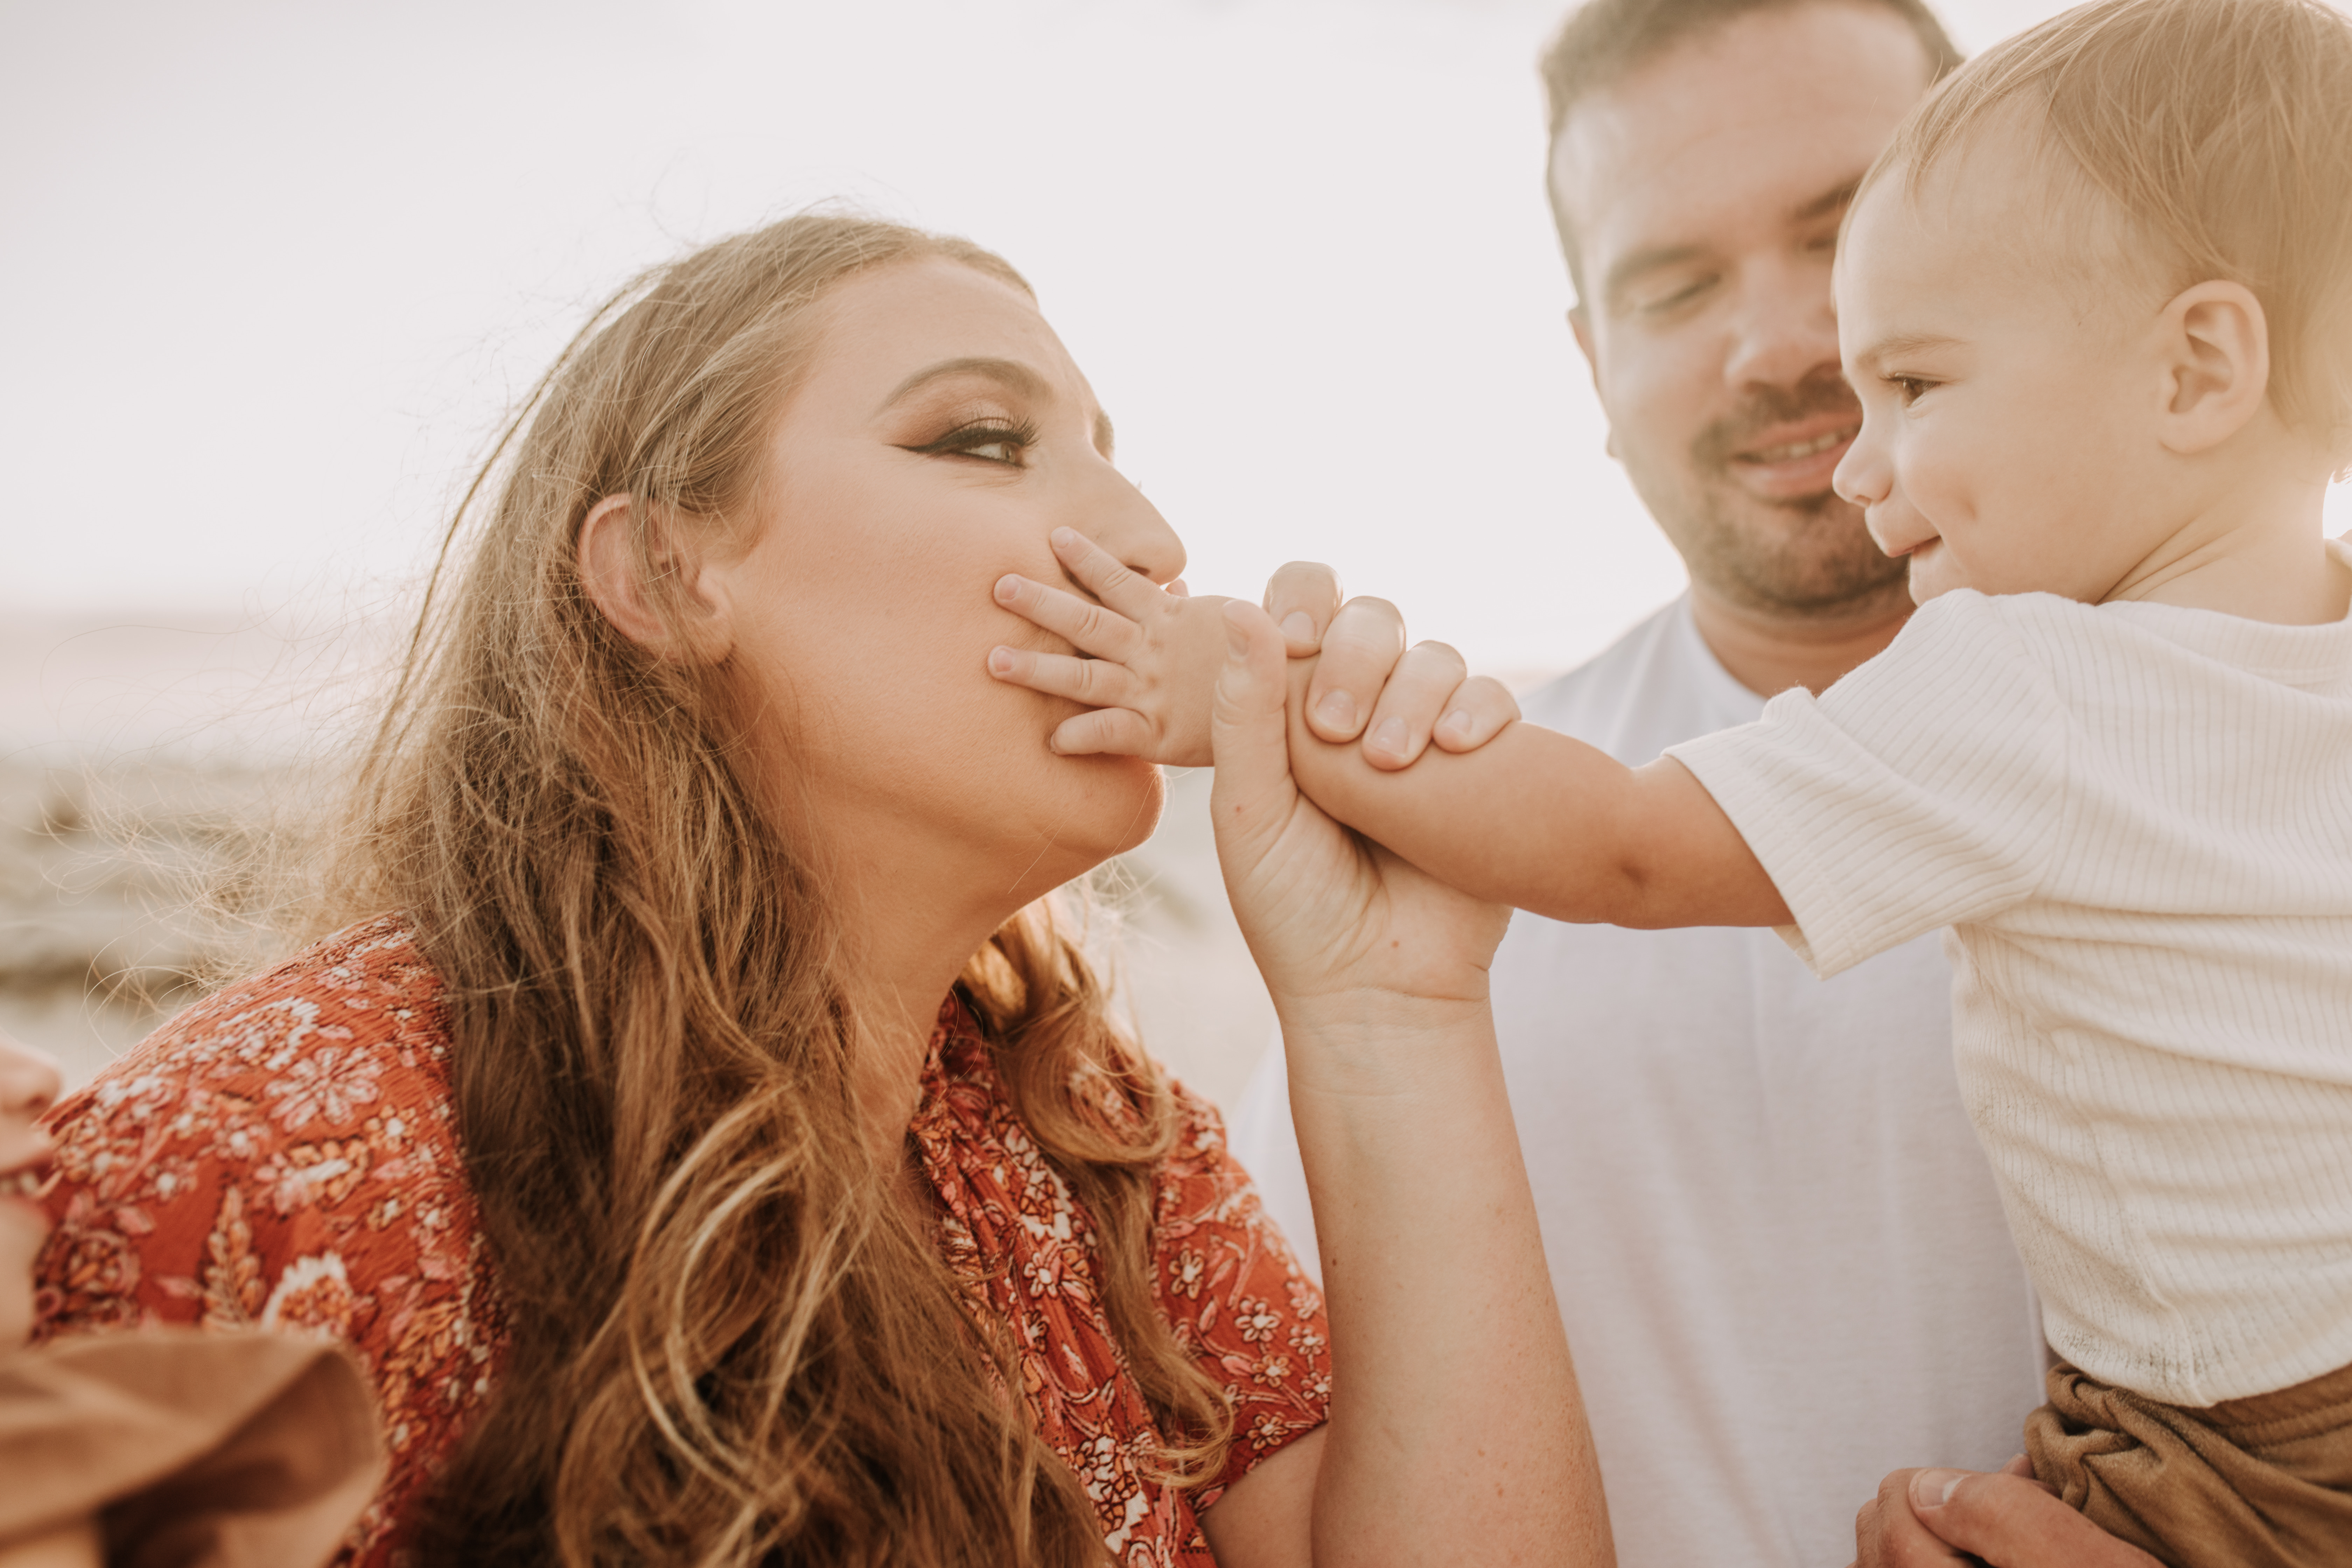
198,1450
2260,1482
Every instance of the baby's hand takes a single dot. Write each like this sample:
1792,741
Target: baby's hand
1152,657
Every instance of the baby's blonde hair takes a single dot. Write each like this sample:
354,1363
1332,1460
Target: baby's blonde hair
2221,131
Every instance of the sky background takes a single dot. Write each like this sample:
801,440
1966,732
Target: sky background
274,272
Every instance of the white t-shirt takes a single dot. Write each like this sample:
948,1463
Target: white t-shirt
2138,821
1778,1249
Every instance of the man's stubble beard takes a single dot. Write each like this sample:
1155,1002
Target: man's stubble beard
1809,557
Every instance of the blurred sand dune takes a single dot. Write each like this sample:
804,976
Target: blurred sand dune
142,757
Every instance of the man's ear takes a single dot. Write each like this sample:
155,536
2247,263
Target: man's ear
2215,349
613,573
1580,324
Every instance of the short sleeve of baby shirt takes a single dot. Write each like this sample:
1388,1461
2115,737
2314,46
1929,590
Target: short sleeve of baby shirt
1927,788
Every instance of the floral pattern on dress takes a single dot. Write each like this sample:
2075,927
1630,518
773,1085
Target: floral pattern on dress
285,1154
1224,1280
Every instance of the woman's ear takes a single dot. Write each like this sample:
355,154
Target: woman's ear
2216,348
613,573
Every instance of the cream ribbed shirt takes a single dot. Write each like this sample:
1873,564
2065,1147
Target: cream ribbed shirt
2136,820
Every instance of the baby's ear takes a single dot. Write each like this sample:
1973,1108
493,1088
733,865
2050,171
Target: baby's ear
2216,347
647,572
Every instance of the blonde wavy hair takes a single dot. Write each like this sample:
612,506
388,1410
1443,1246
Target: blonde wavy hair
2217,132
727,1343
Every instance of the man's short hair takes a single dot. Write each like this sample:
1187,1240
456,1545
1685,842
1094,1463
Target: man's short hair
2218,134
1602,41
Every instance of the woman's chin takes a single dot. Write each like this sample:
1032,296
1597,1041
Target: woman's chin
1117,804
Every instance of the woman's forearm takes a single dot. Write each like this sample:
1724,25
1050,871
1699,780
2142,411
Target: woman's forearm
1458,1434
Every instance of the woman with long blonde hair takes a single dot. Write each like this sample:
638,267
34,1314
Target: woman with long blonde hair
699,1120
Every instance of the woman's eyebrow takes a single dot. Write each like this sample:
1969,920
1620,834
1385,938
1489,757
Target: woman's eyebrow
1010,372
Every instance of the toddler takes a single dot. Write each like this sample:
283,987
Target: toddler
2096,301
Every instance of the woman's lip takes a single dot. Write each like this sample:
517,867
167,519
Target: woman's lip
1796,463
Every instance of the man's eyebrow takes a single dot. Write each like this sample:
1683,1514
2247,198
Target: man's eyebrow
1012,373
1837,198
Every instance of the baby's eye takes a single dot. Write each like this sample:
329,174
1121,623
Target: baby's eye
1911,387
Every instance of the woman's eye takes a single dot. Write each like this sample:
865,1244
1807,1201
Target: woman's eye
1001,443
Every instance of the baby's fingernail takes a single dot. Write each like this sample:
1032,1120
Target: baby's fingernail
1934,1489
1337,711
1008,589
1456,724
1390,737
1000,661
1297,628
1236,640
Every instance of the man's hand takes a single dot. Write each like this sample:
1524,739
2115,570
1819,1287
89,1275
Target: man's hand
2004,1519
1147,659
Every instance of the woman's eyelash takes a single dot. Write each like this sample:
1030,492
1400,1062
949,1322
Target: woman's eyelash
964,437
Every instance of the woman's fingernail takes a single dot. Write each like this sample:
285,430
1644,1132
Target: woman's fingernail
1007,590
1297,628
1000,661
1066,539
1456,724
1934,1489
1337,711
1390,737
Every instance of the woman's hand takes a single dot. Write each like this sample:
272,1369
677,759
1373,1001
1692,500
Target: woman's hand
1327,914
2002,1519
1456,1432
1148,659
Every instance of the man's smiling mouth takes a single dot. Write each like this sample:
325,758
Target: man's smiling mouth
1790,451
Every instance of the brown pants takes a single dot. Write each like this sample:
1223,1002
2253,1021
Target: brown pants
2260,1482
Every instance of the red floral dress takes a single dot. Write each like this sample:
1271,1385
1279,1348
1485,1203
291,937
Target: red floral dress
285,1154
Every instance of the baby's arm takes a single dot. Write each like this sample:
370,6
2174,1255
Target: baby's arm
1550,824
1148,657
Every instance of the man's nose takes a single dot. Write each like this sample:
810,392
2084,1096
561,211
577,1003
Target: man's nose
1786,329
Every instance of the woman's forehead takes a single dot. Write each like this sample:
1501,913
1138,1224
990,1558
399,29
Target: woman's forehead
884,326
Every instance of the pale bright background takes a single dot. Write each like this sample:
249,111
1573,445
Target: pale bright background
273,271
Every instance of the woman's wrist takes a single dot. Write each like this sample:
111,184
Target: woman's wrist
1383,1042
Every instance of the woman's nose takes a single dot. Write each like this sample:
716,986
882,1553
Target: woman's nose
1116,516
28,1080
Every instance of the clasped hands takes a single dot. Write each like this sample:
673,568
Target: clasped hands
1147,661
